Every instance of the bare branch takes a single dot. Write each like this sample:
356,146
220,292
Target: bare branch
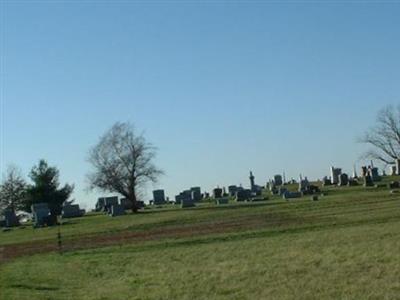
384,137
122,162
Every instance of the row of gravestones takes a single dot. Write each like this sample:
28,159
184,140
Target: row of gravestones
41,215
116,207
9,219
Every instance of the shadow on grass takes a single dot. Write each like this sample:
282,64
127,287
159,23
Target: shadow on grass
31,287
230,206
234,237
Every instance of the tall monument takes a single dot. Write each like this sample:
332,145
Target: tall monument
252,185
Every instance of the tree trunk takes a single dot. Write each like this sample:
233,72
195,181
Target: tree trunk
132,198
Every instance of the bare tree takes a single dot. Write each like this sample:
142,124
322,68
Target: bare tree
384,137
13,189
122,162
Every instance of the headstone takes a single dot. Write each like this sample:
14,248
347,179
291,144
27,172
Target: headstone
243,195
397,166
311,190
42,216
72,211
158,197
282,191
274,190
326,181
217,193
187,202
10,218
374,173
278,180
343,179
393,170
126,203
258,199
335,173
108,202
178,199
221,201
140,204
352,182
368,181
184,196
314,198
303,184
364,171
116,210
232,189
196,193
394,185
100,204
292,195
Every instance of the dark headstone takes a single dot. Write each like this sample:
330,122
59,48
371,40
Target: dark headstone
140,204
110,201
291,195
220,201
72,211
352,182
178,199
158,197
126,203
311,190
278,180
100,204
326,181
394,185
368,181
343,179
243,195
196,193
41,215
217,193
10,218
374,173
282,191
232,189
187,202
364,171
116,210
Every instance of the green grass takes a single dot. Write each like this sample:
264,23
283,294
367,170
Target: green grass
345,246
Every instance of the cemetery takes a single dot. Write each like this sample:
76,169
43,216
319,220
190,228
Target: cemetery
199,150
311,210
238,229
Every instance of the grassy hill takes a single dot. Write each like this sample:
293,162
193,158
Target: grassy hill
345,246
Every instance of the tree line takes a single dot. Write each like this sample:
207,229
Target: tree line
123,162
17,194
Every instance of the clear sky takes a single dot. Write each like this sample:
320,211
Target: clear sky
220,88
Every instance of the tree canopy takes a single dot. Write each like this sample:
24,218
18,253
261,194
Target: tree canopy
13,189
384,137
46,188
122,162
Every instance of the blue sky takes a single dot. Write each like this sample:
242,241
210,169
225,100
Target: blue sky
220,88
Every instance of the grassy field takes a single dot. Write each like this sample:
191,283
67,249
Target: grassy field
345,246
